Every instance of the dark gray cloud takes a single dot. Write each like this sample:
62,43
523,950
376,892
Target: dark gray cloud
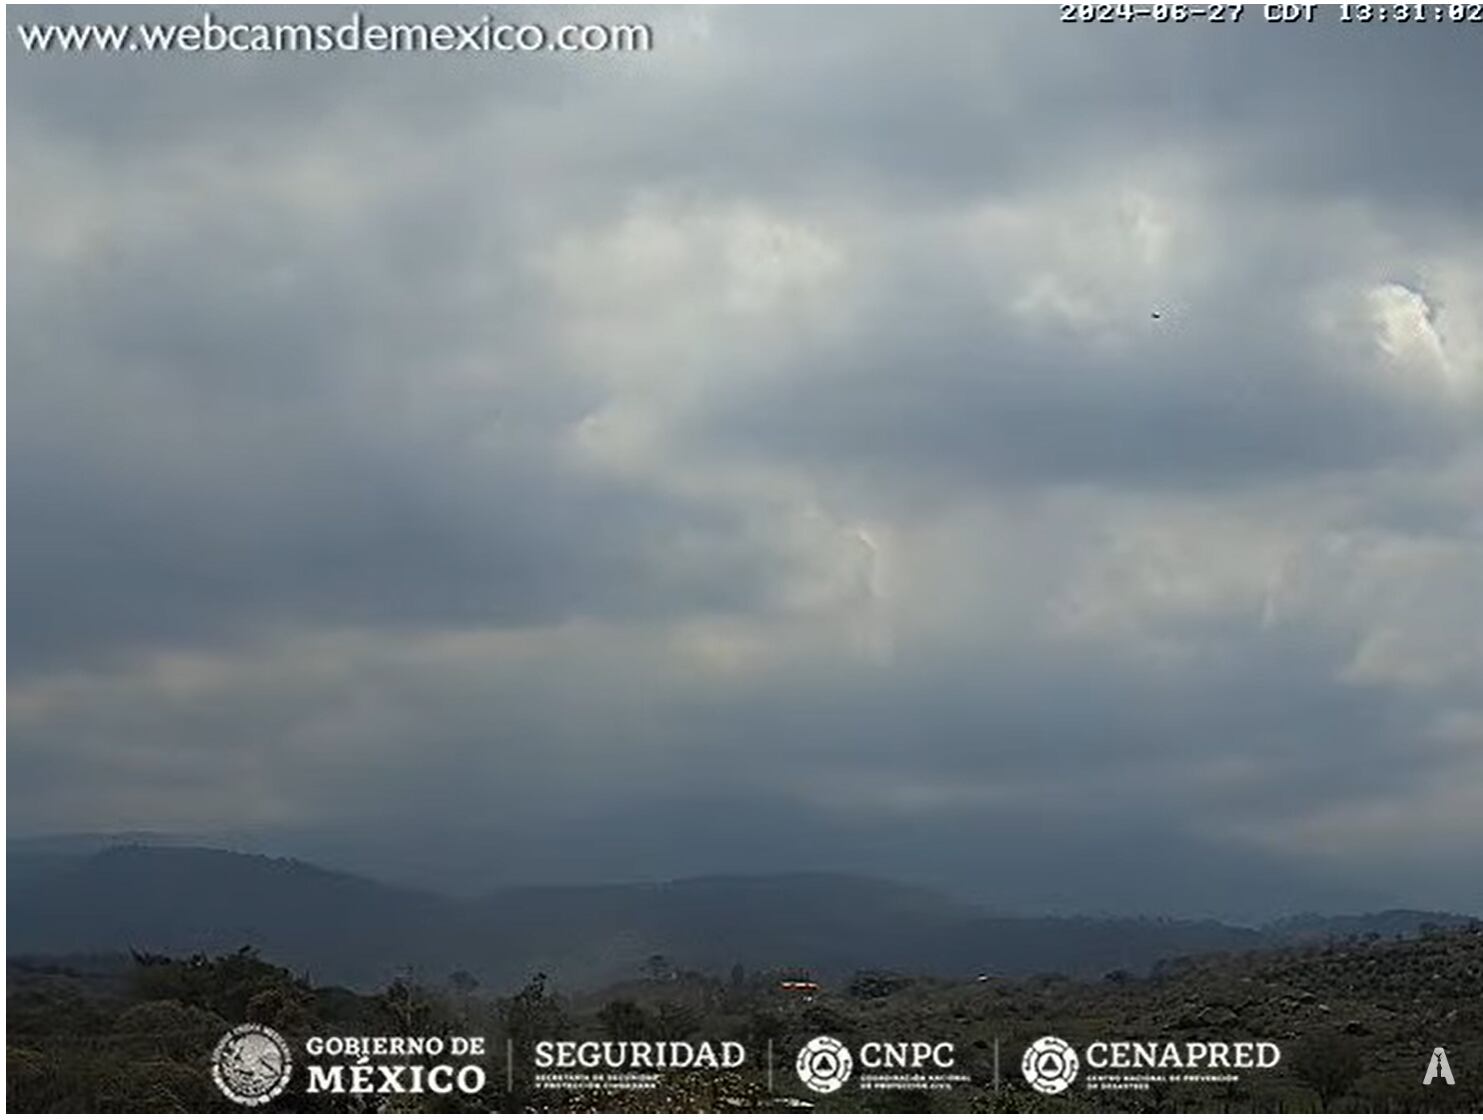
968,398
761,454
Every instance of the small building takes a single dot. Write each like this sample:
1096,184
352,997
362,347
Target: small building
802,989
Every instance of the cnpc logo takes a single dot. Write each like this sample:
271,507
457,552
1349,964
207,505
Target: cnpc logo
826,1064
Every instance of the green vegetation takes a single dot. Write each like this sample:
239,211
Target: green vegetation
1357,1020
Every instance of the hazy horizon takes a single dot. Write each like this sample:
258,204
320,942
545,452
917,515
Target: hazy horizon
1038,462
449,881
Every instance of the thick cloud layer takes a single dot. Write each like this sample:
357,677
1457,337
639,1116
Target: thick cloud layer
763,453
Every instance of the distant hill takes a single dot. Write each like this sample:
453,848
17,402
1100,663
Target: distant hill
1305,929
351,930
184,900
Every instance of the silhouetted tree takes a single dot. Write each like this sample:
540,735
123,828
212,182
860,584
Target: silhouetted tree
411,1009
462,982
622,1020
532,1013
875,985
1329,1063
674,1020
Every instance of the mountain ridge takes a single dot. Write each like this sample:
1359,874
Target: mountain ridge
350,929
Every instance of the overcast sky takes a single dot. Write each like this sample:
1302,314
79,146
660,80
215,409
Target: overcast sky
761,454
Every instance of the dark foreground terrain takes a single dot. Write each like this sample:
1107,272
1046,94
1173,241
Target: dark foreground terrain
1356,1018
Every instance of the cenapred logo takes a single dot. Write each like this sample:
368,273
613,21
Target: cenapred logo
824,1064
251,1064
1050,1064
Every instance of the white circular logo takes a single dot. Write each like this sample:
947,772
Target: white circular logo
1050,1065
824,1064
251,1064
